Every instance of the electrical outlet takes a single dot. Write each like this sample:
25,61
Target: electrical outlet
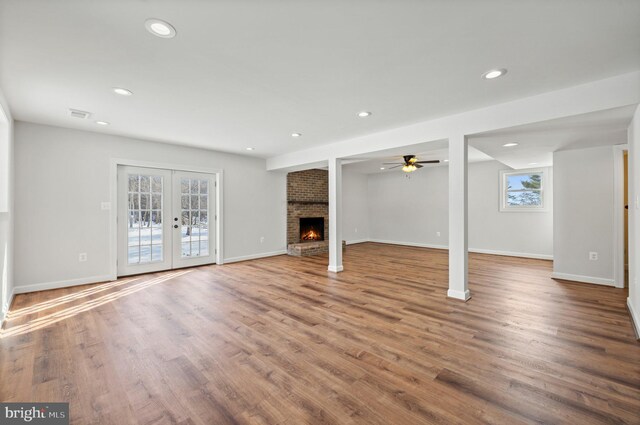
261,239
438,234
105,206
82,257
593,256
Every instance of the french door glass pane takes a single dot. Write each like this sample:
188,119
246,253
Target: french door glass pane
194,214
145,219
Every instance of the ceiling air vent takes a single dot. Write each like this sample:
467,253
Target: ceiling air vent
79,114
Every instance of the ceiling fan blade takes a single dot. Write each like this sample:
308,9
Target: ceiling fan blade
390,163
418,165
399,165
435,161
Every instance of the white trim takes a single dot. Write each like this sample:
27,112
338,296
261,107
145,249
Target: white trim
583,279
255,256
113,213
416,244
459,295
23,289
335,269
544,207
475,250
634,318
512,254
618,214
355,241
5,308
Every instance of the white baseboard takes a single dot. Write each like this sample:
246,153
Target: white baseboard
583,279
22,289
512,254
254,256
416,244
335,269
635,319
476,250
355,241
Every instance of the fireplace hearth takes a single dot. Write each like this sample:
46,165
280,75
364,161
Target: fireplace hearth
311,229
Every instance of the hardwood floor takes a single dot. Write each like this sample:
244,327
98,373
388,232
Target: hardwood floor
282,341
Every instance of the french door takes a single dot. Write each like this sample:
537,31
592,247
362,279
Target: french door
164,219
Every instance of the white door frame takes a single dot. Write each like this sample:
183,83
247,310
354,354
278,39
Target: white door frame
113,213
618,215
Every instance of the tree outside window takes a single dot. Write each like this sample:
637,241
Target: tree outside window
522,190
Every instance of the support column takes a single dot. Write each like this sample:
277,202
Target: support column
458,219
335,215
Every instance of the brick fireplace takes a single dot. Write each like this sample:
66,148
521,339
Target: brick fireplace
307,204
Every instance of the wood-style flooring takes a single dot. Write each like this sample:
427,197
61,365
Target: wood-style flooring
282,341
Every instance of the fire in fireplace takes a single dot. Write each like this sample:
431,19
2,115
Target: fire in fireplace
311,229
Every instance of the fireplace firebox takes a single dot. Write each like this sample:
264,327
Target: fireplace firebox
311,229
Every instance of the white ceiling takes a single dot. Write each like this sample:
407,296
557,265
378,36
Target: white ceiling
249,73
424,152
536,142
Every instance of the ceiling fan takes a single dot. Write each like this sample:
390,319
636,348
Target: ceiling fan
411,163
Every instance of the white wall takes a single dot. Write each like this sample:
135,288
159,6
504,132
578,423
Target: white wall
6,208
413,210
634,219
62,176
584,214
355,208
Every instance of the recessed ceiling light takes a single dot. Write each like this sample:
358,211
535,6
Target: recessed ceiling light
121,91
494,73
446,160
508,145
382,168
102,123
296,134
364,114
249,149
160,28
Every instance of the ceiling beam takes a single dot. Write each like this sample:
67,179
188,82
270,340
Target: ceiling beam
595,96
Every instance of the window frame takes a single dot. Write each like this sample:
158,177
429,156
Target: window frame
505,174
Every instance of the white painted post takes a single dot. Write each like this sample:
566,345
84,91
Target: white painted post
335,215
458,219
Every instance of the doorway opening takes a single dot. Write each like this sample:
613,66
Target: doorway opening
621,215
625,185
